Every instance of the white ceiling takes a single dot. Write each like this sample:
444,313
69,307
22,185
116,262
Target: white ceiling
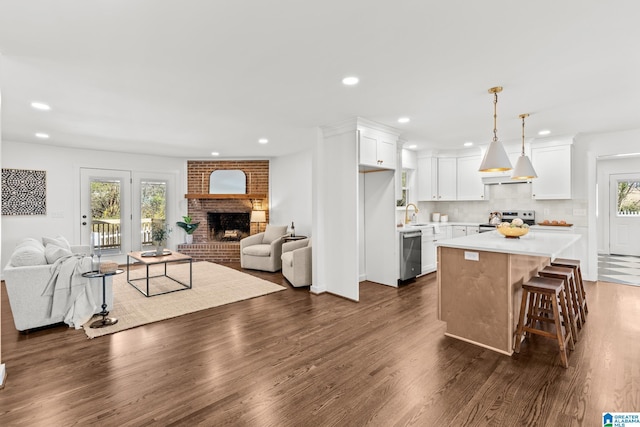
185,78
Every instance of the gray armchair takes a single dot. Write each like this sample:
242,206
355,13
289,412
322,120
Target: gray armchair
262,251
296,262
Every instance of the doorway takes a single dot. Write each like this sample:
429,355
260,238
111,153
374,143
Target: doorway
105,212
119,209
624,214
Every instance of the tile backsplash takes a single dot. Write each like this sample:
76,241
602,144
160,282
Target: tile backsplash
503,198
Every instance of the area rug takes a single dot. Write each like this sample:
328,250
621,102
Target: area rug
213,285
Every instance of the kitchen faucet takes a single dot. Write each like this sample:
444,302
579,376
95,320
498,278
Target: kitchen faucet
406,212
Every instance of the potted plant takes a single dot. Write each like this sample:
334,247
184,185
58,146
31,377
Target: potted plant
159,234
188,226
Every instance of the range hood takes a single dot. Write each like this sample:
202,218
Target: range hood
502,179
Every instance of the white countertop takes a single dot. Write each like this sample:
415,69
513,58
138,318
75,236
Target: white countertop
534,244
420,225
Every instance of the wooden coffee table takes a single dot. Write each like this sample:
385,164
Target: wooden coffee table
148,259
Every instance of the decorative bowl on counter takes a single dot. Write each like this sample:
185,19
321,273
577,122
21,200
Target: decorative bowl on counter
512,232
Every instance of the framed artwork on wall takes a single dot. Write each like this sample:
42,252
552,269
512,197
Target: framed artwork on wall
24,192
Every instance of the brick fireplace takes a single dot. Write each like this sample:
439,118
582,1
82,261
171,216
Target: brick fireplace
218,214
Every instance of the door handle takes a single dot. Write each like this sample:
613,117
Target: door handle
84,223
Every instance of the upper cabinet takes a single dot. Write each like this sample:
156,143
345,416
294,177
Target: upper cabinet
436,178
469,179
552,162
427,179
447,178
377,150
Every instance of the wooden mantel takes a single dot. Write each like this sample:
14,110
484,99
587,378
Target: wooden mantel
225,196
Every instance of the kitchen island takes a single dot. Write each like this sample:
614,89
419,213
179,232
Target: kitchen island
480,281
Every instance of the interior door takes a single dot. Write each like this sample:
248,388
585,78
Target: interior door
105,204
624,214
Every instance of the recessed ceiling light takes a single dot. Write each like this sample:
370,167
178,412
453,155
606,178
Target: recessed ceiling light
404,120
40,106
468,144
350,81
544,132
42,135
215,153
263,140
412,146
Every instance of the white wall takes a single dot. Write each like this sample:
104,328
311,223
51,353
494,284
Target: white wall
290,183
63,187
335,212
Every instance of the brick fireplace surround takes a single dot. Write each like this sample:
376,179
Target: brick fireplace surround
198,172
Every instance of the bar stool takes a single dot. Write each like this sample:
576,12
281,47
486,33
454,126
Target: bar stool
566,274
553,291
577,273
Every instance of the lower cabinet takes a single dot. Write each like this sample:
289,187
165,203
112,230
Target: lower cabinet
428,251
464,230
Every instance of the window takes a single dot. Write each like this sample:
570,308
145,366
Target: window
628,198
153,209
406,183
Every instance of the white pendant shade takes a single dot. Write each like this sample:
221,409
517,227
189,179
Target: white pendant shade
524,169
495,158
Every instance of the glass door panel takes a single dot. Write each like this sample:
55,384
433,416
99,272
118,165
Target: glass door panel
153,209
105,202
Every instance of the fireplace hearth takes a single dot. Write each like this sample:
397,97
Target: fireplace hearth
228,226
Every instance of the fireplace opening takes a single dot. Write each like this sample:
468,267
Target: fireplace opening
228,226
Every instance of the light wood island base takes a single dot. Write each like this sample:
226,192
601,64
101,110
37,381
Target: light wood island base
479,294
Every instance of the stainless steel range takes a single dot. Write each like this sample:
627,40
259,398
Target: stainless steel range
528,217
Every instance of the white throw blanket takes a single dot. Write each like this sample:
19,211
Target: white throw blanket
72,295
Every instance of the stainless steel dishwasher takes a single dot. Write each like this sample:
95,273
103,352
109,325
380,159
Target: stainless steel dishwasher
410,254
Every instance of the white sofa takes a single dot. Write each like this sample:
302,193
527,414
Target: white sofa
296,262
27,275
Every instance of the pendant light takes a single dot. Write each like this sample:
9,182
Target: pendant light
495,158
524,168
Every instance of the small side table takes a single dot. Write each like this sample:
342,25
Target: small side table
105,321
293,238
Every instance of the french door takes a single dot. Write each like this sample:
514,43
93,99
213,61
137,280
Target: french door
105,211
624,214
121,208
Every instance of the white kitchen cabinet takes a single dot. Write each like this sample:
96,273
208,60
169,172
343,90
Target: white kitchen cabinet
428,251
458,230
553,167
377,150
469,180
427,179
464,230
436,179
446,178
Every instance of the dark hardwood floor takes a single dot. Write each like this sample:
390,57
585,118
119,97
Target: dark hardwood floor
296,359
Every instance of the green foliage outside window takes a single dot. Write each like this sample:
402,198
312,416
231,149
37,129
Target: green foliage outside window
628,197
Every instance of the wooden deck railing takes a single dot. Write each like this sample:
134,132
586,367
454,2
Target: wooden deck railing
109,232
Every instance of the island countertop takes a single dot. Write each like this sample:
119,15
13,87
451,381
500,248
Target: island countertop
480,281
534,243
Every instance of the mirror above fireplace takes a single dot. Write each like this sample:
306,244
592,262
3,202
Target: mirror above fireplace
233,181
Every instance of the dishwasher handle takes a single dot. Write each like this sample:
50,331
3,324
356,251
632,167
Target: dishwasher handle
412,234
